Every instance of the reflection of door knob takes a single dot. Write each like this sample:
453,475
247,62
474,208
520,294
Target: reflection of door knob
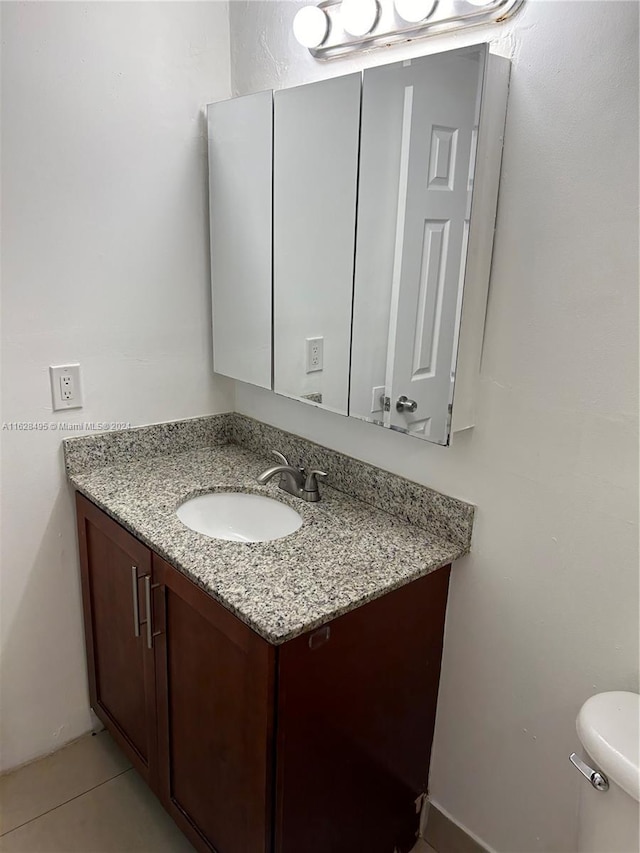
404,404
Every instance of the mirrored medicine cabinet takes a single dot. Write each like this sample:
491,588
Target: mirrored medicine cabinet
352,224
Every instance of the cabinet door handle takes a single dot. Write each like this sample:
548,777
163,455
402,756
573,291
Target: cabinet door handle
148,586
147,597
136,606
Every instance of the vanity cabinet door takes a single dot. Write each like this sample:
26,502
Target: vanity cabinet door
215,718
115,572
356,714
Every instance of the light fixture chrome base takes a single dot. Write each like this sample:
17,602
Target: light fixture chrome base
447,16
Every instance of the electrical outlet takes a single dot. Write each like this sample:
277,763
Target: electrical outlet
315,354
66,392
66,387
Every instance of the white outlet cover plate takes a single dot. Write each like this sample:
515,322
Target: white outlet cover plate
56,373
376,398
315,346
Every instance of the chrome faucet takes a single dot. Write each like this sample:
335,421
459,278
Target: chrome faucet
294,480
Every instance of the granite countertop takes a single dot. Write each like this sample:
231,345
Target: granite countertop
346,552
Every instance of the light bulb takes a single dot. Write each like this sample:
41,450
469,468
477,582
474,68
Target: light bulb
414,11
310,26
359,17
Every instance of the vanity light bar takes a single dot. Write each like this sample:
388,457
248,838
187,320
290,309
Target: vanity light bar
336,28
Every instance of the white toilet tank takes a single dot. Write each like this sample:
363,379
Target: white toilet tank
608,726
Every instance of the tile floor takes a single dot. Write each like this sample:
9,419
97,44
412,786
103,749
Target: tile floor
86,798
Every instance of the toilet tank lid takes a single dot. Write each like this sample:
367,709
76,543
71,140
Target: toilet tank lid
608,726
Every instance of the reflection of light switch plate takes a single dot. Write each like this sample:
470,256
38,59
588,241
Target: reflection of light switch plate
66,392
315,354
377,395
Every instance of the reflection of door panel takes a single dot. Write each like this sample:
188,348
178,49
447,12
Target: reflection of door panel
440,115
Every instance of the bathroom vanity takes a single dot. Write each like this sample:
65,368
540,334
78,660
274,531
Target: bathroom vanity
280,696
277,696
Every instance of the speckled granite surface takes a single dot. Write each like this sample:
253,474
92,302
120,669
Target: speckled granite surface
87,452
437,513
347,551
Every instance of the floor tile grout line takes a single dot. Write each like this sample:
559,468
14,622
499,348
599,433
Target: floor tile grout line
66,802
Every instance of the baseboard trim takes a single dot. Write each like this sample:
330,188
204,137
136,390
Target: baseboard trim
447,835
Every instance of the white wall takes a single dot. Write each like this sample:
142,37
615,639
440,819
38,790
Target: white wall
104,261
545,611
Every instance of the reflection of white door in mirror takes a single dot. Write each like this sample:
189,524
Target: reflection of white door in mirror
419,130
314,185
439,117
240,170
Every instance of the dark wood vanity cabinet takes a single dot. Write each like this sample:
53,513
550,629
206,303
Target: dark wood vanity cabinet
215,694
114,566
319,745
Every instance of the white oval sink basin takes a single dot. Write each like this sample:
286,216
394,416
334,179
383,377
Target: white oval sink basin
239,517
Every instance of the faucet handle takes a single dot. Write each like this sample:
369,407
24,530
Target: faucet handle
280,456
311,483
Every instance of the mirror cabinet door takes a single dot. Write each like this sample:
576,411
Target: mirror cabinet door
417,154
240,135
315,165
